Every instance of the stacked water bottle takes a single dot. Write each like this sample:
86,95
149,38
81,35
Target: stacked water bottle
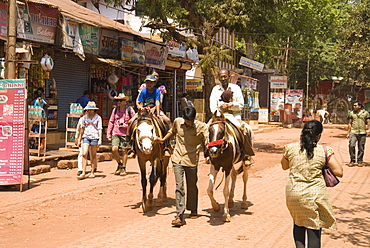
75,109
35,112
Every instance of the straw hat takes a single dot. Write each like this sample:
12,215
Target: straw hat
90,105
121,96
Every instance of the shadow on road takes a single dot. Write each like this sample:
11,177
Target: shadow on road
216,219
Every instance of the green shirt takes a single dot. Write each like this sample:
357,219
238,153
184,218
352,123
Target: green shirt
359,121
188,141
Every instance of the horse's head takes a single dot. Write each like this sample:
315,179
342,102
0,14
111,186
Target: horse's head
217,135
145,134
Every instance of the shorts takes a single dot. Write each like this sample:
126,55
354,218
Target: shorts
93,142
119,141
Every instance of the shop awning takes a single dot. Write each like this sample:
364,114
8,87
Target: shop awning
119,63
81,14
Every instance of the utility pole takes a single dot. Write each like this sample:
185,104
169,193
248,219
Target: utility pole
10,61
308,80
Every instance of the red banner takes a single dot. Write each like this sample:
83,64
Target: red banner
12,115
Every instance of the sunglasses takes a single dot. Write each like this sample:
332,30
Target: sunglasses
121,100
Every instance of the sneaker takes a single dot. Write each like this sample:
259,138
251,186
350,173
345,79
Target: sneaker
79,173
81,176
360,164
123,172
92,175
351,164
118,170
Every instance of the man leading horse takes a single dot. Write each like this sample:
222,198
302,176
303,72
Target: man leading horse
231,109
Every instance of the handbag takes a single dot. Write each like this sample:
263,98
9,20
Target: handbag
330,179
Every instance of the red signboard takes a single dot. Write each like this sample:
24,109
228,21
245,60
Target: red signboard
12,115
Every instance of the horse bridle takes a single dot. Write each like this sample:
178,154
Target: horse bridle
225,143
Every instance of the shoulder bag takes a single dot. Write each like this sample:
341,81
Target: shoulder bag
330,179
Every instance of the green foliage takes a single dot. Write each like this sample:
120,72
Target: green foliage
354,52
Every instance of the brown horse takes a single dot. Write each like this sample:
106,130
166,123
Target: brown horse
225,142
146,130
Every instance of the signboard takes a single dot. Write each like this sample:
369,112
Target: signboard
12,115
109,46
263,115
37,23
251,64
89,36
155,55
194,85
3,19
278,82
276,104
176,49
75,35
139,52
295,98
247,83
127,50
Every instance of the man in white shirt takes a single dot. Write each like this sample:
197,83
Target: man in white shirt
234,106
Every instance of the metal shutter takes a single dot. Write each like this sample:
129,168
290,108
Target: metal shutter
72,79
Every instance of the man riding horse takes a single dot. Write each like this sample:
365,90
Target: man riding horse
231,109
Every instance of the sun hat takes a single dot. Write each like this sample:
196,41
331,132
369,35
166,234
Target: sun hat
90,105
121,96
150,78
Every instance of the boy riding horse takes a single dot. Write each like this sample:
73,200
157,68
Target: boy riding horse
150,99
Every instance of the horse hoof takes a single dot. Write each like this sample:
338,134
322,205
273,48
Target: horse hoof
227,218
231,204
244,205
216,207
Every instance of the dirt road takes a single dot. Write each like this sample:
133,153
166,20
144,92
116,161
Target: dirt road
60,211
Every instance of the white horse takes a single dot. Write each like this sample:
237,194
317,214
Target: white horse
225,146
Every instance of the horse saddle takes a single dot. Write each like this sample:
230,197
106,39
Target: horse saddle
237,134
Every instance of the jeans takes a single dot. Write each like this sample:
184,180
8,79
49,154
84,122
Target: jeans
191,188
361,140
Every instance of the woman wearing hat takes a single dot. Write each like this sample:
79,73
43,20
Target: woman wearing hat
91,135
117,131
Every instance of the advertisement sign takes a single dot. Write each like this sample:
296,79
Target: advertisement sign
176,49
194,85
155,55
37,23
127,50
139,52
3,19
247,83
295,98
251,64
109,44
276,104
12,114
89,36
278,82
263,115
